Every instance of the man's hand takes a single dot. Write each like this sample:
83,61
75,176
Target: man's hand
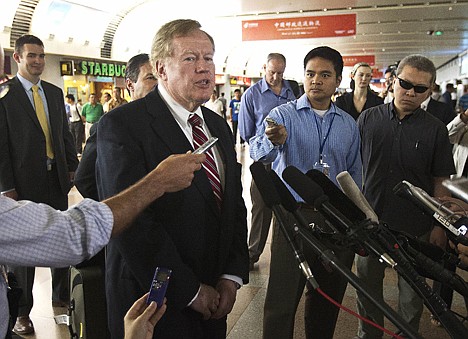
438,237
11,194
462,251
227,290
464,116
140,319
206,302
176,171
276,134
455,205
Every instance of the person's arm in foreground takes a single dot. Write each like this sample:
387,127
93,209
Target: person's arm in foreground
140,319
173,174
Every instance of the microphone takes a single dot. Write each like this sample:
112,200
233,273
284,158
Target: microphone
314,195
427,249
272,199
336,196
353,192
456,226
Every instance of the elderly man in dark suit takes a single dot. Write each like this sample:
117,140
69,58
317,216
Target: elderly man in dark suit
200,233
37,155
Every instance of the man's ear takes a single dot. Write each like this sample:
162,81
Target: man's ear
338,80
16,57
129,85
159,70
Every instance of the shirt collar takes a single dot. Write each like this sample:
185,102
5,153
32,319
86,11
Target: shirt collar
178,111
425,103
303,102
284,88
393,114
27,85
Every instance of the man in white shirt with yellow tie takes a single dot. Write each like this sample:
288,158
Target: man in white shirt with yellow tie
37,155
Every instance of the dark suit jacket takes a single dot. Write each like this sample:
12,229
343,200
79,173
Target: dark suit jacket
346,103
23,160
442,111
184,231
85,176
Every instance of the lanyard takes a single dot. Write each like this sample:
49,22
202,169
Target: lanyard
319,131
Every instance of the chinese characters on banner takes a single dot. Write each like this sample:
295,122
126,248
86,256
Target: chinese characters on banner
351,60
299,28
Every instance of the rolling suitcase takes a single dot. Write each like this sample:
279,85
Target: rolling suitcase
87,310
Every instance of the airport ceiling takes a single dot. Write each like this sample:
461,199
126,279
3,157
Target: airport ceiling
117,29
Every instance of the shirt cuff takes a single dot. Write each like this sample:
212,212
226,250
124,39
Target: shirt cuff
234,278
195,297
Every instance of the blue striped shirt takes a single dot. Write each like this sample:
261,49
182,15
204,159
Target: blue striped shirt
302,147
37,235
257,102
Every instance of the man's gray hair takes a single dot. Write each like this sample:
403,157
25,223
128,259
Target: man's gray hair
162,48
420,62
276,56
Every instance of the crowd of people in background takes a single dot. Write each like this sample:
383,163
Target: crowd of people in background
197,220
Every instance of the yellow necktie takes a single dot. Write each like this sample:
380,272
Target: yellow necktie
41,115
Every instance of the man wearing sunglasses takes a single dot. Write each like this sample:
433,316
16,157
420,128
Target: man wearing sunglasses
401,141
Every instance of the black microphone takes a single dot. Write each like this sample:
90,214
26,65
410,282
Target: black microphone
429,205
272,200
314,195
289,202
404,240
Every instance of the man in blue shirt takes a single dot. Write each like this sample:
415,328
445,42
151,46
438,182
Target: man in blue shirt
311,132
256,103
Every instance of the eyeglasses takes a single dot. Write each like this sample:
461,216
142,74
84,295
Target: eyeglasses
408,85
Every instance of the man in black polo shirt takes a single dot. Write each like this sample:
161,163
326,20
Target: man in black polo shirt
400,141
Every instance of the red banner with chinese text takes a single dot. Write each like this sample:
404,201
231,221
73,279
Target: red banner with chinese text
299,28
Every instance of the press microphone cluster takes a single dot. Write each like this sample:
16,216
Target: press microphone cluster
456,225
351,223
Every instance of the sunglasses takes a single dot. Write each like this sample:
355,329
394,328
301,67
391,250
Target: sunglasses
408,85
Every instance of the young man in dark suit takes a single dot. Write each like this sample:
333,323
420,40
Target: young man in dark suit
37,155
201,232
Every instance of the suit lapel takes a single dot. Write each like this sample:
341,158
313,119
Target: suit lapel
24,101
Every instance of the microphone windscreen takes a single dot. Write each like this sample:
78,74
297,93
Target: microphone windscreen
353,192
264,184
306,188
336,197
287,199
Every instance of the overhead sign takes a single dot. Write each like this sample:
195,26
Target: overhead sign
351,60
101,69
299,28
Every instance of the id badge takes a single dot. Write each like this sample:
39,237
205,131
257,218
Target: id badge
322,167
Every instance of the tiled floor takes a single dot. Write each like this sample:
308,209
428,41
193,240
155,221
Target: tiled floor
245,321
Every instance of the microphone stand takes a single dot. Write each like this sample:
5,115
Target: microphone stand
432,300
327,255
303,264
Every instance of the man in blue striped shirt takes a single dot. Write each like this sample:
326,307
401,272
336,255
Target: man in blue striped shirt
256,103
310,132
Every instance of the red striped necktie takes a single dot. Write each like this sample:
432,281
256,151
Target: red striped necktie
209,165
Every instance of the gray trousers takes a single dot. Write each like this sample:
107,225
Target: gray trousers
260,225
286,286
410,305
